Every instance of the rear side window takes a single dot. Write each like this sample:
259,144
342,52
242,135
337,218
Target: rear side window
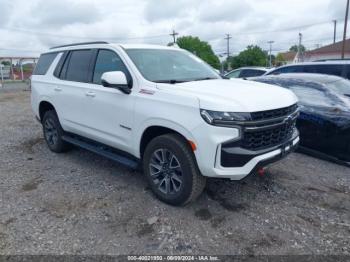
78,66
108,61
325,69
44,63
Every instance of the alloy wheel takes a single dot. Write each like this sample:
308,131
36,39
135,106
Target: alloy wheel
166,172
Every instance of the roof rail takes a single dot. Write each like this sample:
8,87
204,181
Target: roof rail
83,43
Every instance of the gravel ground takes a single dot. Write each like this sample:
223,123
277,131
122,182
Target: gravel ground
81,203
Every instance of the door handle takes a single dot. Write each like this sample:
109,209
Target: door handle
90,94
58,89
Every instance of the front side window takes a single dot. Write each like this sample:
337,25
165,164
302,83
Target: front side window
78,67
165,65
234,74
108,61
44,63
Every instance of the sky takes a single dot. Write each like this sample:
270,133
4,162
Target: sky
28,28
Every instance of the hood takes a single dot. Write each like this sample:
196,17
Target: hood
235,95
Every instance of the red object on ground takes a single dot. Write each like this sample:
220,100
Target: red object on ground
261,172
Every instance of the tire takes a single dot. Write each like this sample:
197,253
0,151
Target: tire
171,170
53,133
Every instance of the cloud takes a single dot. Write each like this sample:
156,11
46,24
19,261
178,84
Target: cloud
164,10
224,11
5,10
38,24
65,12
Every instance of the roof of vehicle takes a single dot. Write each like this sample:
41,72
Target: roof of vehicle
327,62
310,77
99,43
251,67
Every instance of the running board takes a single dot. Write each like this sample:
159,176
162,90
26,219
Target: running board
102,150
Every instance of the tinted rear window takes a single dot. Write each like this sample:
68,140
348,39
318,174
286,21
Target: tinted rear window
44,63
325,69
79,65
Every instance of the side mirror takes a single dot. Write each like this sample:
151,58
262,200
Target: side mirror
116,79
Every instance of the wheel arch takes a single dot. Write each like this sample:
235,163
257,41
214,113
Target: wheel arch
157,129
45,106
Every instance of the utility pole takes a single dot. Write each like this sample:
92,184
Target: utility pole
270,59
227,38
174,34
345,27
335,31
299,54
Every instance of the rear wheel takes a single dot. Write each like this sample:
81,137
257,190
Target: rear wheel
53,133
171,170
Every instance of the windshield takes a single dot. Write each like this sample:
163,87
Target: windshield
164,65
342,86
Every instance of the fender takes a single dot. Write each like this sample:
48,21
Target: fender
158,122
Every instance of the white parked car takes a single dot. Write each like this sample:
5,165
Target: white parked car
163,109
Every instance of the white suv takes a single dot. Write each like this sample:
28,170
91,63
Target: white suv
163,109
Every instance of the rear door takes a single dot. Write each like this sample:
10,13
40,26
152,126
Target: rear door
74,74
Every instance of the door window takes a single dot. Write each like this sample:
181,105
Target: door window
324,69
78,67
44,63
234,74
287,69
108,61
251,73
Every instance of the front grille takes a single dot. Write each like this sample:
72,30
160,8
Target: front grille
262,115
273,128
257,140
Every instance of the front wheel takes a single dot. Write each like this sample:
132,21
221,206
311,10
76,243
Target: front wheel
172,171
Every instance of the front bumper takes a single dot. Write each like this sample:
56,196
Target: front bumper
236,163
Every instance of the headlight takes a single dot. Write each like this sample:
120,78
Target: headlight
226,119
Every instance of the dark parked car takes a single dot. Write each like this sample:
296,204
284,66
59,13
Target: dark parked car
243,72
336,67
324,121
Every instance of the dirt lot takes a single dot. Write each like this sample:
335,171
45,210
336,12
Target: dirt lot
81,203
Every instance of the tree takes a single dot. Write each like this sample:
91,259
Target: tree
280,60
252,56
294,48
6,63
200,48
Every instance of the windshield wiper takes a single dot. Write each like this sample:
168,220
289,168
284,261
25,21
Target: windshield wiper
204,78
170,81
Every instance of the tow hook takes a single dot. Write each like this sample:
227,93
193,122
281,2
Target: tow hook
261,172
